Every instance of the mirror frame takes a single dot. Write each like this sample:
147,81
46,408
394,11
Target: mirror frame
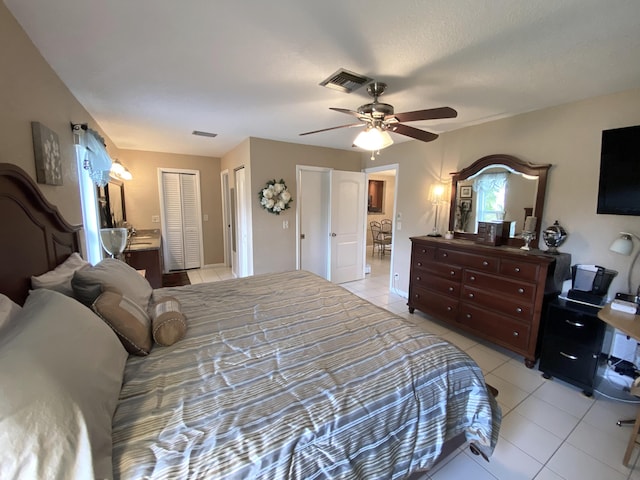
539,170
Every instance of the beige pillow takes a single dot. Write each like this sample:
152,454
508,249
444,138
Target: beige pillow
59,279
168,324
111,274
127,319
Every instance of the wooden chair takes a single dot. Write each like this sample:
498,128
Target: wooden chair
633,439
380,239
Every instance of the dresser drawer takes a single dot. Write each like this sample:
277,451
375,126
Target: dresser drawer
520,270
422,253
503,329
480,262
440,306
521,310
584,328
505,286
440,285
450,272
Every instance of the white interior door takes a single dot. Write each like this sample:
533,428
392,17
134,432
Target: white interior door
181,226
347,244
226,216
313,214
241,223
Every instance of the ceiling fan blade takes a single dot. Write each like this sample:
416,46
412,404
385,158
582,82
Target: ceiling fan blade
344,110
413,132
335,128
429,114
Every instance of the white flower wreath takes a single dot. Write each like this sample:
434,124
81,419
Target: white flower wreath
275,197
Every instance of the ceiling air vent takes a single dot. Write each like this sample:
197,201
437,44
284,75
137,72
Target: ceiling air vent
345,81
204,134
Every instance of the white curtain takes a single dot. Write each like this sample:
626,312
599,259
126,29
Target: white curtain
93,169
97,161
489,182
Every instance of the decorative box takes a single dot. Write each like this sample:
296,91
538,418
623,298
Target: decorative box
489,233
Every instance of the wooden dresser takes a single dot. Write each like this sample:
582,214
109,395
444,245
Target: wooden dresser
496,293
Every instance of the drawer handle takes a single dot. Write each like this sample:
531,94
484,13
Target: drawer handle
449,308
445,254
451,289
471,295
419,264
453,273
424,251
521,290
574,324
472,278
518,310
485,263
416,295
517,269
516,334
468,315
418,278
570,357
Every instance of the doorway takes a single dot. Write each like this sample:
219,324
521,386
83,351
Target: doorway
385,208
331,210
226,217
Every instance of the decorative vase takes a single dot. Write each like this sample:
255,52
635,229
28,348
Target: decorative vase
553,237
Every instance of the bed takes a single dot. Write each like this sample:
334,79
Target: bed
276,376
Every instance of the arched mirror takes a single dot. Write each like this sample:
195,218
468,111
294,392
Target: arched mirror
498,188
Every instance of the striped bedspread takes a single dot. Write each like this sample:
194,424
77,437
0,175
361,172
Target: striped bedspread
289,376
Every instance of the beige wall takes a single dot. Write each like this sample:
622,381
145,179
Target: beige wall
142,196
31,91
274,248
567,136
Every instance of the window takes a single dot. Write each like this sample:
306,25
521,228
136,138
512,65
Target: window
491,192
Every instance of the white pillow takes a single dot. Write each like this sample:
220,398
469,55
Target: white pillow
8,311
61,370
114,275
59,279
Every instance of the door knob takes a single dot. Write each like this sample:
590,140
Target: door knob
333,234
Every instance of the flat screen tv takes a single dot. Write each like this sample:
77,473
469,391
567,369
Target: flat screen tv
619,187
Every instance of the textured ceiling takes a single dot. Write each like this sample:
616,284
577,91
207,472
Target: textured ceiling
150,72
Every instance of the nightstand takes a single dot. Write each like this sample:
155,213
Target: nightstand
572,343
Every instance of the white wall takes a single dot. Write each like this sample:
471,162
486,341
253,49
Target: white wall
566,136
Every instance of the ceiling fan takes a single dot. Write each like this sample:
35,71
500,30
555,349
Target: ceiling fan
379,119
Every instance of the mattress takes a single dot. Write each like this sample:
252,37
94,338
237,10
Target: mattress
289,376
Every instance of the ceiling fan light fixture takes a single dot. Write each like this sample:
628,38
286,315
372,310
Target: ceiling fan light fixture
373,138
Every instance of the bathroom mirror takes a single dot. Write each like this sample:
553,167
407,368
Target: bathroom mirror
498,188
111,204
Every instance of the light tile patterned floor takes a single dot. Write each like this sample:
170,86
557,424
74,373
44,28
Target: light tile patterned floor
550,430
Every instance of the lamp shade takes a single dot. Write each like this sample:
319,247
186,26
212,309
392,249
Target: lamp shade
623,244
373,139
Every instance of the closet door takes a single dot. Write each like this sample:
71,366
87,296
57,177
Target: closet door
181,221
190,221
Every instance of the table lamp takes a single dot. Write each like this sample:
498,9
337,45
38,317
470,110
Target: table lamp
114,240
624,246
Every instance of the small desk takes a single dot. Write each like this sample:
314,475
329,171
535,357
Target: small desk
627,323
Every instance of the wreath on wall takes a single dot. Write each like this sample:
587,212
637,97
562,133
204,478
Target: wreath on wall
275,197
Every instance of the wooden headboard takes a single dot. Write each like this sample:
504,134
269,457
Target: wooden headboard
34,239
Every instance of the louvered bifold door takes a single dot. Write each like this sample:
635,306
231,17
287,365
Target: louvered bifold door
174,250
190,221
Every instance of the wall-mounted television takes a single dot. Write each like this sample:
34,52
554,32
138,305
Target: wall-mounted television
619,187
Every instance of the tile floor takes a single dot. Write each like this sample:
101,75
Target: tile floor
550,430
